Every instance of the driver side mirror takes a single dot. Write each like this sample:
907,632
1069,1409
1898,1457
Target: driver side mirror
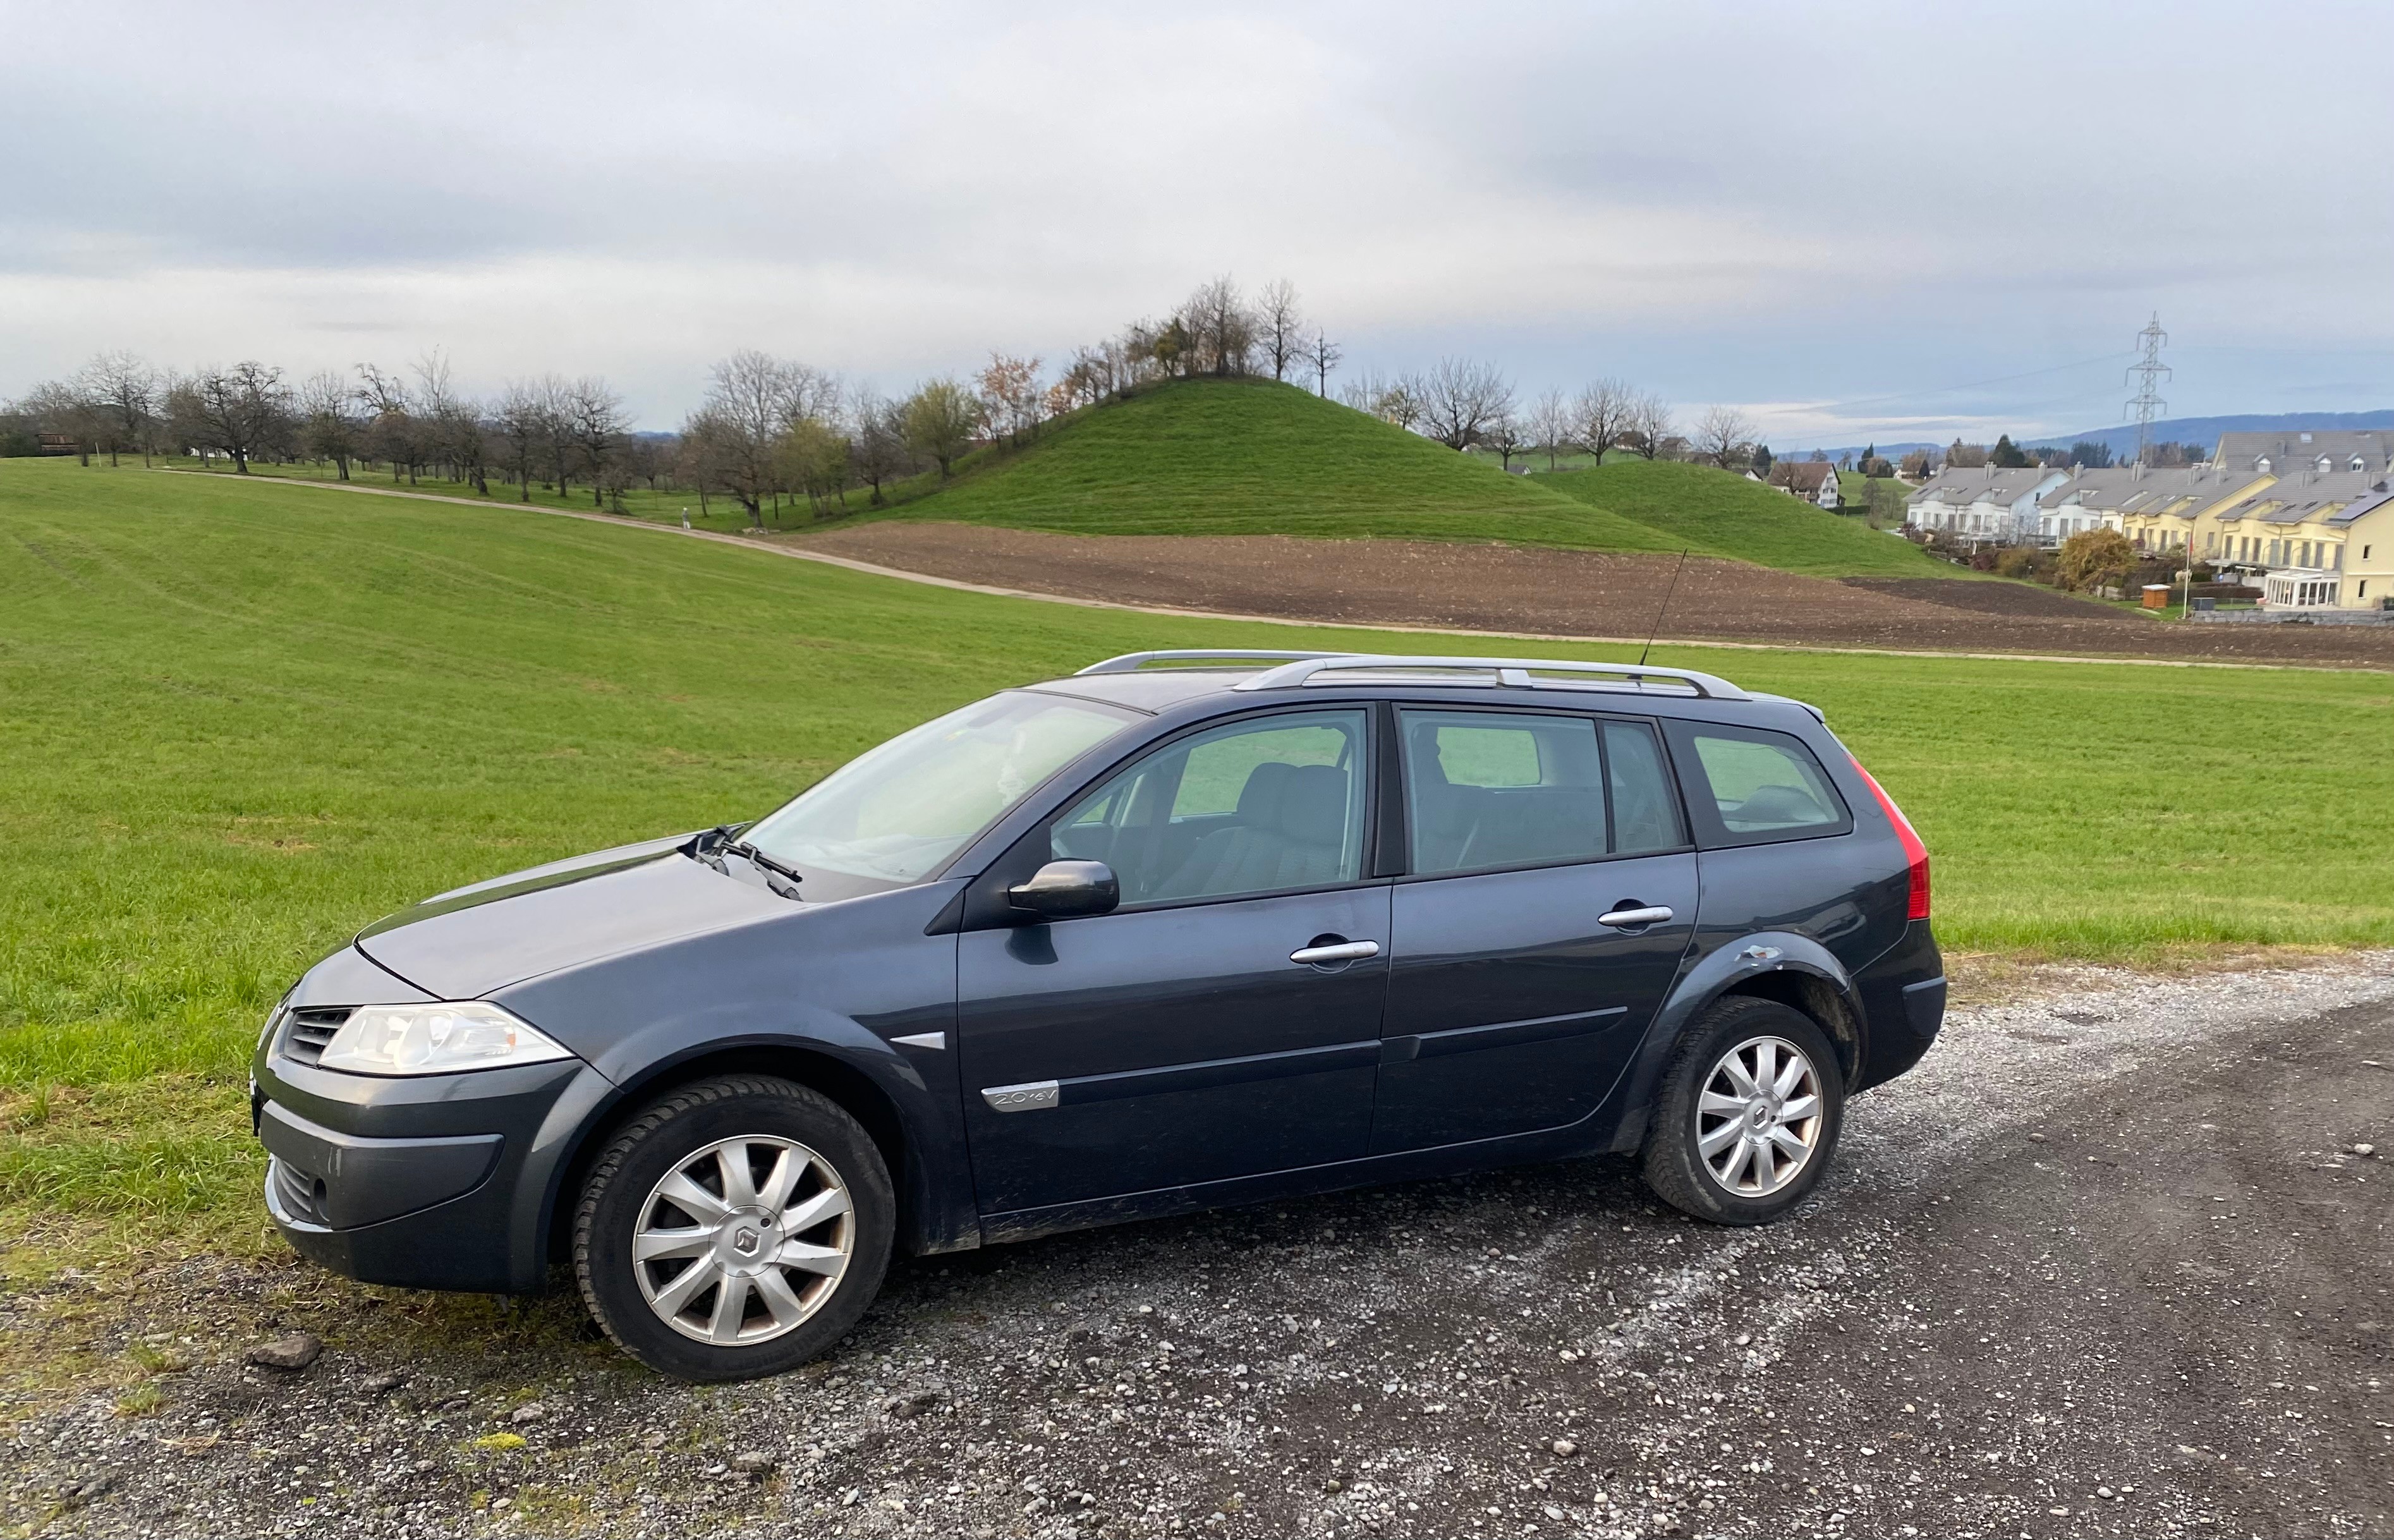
1067,889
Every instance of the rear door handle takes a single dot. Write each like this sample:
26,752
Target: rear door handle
1344,951
1653,914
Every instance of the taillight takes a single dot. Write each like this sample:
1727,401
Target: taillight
1916,854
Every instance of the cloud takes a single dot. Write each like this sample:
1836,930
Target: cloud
1798,203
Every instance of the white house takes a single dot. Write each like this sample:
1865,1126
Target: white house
1983,503
1813,480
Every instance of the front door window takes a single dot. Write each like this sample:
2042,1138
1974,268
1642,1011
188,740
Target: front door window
1267,805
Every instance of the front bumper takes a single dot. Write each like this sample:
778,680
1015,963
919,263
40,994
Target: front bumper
429,1182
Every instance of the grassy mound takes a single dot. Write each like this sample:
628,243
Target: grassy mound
1255,457
1715,513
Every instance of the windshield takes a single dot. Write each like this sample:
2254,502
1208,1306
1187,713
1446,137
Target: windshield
896,813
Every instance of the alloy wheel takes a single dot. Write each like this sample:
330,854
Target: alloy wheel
743,1240
1758,1116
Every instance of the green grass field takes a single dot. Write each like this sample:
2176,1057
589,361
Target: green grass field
237,721
1255,457
1713,513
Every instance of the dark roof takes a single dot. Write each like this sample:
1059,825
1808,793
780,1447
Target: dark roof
1801,475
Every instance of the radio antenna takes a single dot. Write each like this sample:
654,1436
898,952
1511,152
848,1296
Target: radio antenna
1664,610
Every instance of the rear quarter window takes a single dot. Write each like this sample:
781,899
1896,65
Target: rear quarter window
1752,787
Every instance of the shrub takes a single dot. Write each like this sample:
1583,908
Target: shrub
2095,558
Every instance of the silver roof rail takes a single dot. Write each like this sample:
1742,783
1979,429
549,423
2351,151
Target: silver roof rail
1131,662
1488,673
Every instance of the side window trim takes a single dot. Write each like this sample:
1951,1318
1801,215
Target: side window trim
1393,784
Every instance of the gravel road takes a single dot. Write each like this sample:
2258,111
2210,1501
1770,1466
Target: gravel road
2113,1262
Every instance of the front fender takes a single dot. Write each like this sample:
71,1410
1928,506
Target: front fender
825,988
1705,978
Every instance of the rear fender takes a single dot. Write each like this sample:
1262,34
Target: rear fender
1774,963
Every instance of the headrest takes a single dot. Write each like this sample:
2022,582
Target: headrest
1423,761
1314,805
1259,798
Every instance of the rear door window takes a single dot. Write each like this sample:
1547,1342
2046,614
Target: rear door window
1489,789
1748,787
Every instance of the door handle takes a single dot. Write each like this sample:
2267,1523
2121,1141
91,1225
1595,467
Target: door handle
1653,914
1344,951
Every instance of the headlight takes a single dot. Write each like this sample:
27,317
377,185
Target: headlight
439,1039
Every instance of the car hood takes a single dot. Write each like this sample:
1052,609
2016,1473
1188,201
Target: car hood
465,944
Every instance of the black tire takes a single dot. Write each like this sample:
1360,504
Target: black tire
661,1142
1675,1168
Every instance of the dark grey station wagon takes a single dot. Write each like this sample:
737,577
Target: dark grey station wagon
1182,931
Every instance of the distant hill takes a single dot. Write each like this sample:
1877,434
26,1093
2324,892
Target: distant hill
2206,430
1255,457
2123,439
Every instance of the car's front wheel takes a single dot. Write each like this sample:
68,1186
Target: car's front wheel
737,1228
1748,1113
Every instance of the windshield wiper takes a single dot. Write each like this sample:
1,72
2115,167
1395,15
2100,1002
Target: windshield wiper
773,869
707,845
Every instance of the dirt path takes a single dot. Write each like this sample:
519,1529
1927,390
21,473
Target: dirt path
2108,1264
1581,594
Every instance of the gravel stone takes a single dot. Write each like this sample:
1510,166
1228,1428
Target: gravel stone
291,1352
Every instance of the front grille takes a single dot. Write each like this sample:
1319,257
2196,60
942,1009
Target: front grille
309,1031
302,1195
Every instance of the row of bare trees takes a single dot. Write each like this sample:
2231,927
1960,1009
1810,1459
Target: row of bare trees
771,429
1464,404
558,431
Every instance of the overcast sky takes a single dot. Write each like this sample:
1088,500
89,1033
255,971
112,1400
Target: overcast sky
1900,220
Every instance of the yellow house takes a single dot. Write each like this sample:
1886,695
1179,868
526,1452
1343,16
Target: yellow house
2309,540
2183,519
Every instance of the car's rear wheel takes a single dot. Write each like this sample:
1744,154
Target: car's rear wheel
1748,1115
737,1228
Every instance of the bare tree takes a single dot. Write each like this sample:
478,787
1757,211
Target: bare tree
122,392
1549,426
1397,399
521,423
1649,426
596,422
391,430
1722,434
877,433
1462,400
1221,330
1281,327
331,426
1321,356
1602,414
940,420
452,430
239,410
1506,436
752,398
